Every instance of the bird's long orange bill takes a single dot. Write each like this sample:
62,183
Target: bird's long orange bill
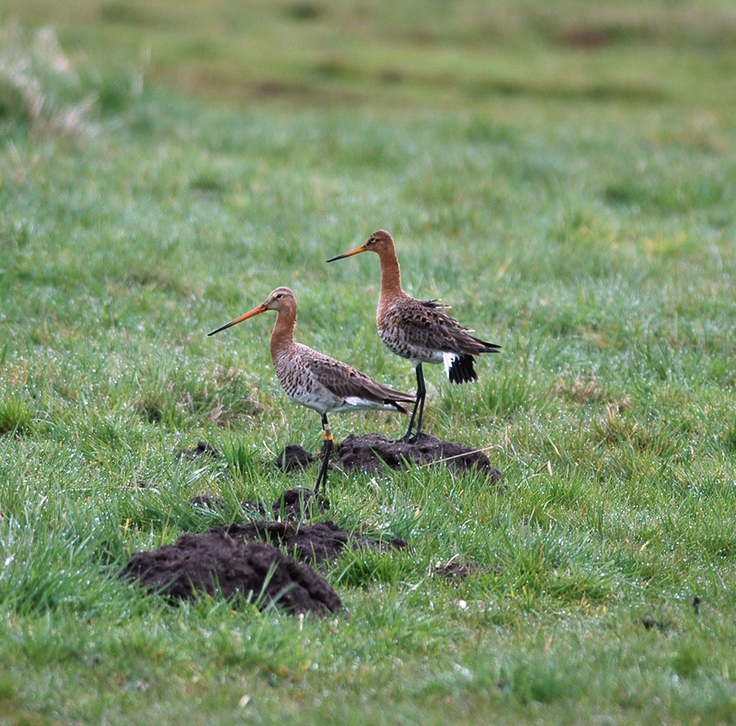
357,251
256,311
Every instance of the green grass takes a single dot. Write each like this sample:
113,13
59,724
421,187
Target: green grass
464,54
591,236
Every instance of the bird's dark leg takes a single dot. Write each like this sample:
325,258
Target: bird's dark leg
418,403
326,451
423,393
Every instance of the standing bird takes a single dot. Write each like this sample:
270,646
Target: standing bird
419,330
315,380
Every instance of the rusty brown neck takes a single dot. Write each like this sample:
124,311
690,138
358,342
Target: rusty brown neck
390,277
282,337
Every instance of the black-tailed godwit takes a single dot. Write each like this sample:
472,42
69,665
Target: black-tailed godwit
419,330
315,380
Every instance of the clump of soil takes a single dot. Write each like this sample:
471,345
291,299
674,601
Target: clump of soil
201,450
312,543
220,561
373,452
455,571
293,458
651,624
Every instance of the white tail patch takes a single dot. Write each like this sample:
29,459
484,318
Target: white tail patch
448,359
358,402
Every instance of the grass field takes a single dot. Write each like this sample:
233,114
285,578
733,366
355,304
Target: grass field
562,174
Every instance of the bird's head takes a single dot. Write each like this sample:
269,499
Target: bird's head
377,242
281,299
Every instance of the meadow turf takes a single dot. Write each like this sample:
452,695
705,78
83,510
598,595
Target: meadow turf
590,233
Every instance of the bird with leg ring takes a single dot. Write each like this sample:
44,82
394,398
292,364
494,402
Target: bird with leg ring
315,380
419,330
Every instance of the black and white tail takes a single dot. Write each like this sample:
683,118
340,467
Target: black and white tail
459,367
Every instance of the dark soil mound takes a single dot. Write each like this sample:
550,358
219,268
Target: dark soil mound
312,543
293,457
372,452
202,449
219,561
455,571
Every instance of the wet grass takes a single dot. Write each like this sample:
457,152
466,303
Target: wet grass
591,239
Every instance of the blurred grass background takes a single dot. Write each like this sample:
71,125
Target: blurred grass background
459,54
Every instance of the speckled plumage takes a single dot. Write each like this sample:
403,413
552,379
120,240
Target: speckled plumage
423,332
328,386
315,380
419,330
